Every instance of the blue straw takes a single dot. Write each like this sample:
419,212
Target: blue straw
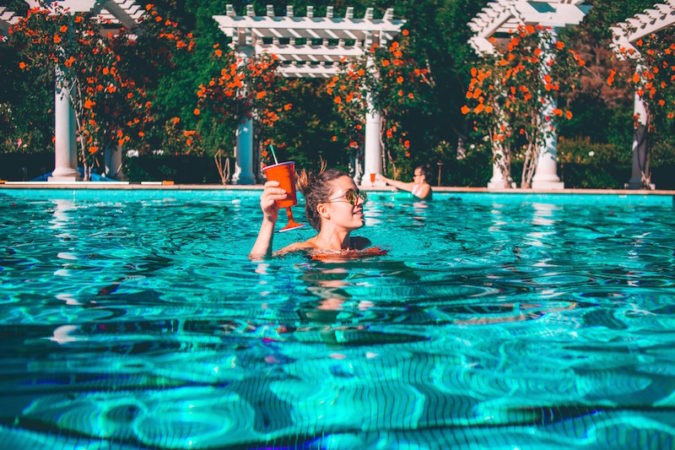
275,156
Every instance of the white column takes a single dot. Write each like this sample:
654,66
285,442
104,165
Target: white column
243,166
113,162
65,155
501,178
373,149
639,144
545,175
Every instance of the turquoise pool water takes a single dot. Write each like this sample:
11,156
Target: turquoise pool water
133,319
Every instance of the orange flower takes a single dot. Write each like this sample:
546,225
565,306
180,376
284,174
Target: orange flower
399,79
405,32
400,93
478,109
406,143
410,95
93,149
337,100
389,134
636,77
57,39
88,104
219,52
557,112
568,115
141,134
465,110
288,106
385,62
334,139
22,65
260,95
196,111
560,45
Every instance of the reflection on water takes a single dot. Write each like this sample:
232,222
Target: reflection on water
500,323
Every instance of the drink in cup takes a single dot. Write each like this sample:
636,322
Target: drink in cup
372,179
284,173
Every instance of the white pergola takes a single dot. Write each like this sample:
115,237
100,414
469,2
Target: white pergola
502,17
624,34
7,19
124,13
308,47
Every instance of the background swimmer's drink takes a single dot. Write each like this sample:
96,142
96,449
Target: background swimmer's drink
134,319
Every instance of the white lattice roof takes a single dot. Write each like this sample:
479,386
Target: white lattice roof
503,16
652,20
308,46
123,12
7,19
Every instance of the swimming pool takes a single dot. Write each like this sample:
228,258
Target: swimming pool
133,319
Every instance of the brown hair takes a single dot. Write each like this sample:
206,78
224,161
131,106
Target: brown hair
316,189
426,171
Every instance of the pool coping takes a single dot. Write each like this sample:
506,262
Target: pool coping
158,185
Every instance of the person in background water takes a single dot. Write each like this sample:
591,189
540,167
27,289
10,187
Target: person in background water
334,207
419,186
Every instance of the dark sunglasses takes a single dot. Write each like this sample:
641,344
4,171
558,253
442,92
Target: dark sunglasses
351,196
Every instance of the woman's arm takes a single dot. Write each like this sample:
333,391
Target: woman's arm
399,184
268,203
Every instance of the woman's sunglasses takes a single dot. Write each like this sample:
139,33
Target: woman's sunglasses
351,196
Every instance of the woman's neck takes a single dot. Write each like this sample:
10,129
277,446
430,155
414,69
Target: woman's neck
332,238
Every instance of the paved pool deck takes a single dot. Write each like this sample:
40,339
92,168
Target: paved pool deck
159,185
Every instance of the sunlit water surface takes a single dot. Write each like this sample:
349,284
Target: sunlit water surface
134,319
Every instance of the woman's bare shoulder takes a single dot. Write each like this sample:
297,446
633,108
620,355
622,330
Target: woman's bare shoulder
295,247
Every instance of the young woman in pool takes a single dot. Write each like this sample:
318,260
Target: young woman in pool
419,186
334,207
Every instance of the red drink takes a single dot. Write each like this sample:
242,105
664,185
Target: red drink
372,179
284,173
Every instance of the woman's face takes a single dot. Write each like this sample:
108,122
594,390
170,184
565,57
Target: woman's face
341,210
418,176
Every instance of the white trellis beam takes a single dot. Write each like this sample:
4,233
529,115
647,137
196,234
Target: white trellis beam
7,19
311,47
624,34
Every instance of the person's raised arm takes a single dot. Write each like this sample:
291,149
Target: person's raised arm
268,203
398,184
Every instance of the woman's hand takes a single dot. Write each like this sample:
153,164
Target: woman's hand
379,177
268,201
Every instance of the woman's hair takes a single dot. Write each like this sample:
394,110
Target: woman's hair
426,171
316,189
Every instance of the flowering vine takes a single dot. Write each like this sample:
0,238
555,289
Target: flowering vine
91,66
509,92
392,81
